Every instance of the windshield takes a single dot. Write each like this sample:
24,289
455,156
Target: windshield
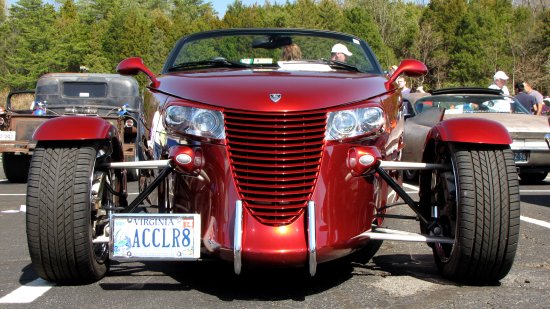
269,49
467,104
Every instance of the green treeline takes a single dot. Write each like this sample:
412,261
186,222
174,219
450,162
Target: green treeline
463,42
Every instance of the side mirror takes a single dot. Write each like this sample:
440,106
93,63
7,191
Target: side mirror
409,67
132,66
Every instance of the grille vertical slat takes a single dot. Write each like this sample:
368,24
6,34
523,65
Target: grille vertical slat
275,159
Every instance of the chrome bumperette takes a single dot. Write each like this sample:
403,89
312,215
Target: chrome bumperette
138,164
311,241
399,165
238,237
389,234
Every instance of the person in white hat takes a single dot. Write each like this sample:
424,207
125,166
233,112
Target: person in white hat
340,53
499,82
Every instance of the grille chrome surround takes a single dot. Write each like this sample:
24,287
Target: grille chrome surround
275,159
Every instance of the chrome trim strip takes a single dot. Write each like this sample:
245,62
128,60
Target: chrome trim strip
238,237
396,165
311,241
138,164
388,234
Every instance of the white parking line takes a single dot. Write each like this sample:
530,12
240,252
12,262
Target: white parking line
28,292
23,194
416,189
535,221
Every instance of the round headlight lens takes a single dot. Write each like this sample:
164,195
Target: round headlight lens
175,115
371,119
205,121
195,121
355,122
344,122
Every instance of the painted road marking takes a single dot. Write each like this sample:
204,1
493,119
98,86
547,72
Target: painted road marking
416,189
535,221
28,292
24,194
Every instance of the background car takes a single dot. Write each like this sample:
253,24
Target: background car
113,97
531,153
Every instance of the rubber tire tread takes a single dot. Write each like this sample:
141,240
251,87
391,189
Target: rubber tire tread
487,217
58,214
16,167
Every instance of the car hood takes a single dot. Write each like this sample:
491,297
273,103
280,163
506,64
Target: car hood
522,124
251,90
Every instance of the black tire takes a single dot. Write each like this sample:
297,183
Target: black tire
16,167
411,175
63,213
478,205
365,254
532,178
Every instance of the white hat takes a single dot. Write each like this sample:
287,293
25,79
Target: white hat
341,48
500,75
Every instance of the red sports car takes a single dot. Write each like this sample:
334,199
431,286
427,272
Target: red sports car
269,147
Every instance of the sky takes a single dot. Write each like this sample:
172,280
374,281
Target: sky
221,5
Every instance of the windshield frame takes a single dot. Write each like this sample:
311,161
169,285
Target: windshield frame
370,56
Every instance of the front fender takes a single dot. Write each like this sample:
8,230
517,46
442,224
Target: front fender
79,128
470,130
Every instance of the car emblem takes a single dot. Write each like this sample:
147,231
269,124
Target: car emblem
275,97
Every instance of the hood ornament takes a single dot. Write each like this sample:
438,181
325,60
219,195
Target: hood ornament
275,97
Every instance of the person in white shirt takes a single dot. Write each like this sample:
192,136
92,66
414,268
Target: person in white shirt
499,82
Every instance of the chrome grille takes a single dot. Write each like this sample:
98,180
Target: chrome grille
275,158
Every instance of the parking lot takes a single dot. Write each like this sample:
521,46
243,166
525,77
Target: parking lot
400,275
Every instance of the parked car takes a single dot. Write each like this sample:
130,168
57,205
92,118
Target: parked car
266,162
531,154
113,97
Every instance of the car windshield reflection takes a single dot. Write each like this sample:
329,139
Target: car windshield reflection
468,104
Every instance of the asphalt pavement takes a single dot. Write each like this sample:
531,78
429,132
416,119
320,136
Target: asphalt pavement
401,275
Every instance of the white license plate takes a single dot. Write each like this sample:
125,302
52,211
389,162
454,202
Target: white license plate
7,135
155,236
520,157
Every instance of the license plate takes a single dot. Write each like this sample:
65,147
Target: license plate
7,135
155,236
520,157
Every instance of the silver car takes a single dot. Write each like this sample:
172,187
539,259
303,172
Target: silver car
531,152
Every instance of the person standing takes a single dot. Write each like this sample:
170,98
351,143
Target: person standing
499,82
527,100
538,97
402,84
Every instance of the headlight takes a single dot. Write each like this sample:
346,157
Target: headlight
195,121
354,122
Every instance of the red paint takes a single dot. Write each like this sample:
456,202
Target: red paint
249,91
75,128
471,130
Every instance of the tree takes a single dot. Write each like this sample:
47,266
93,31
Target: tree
30,54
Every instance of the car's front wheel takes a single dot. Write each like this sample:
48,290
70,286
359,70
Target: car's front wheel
16,167
67,200
532,178
475,202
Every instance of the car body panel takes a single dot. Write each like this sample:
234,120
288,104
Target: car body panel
250,90
75,128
